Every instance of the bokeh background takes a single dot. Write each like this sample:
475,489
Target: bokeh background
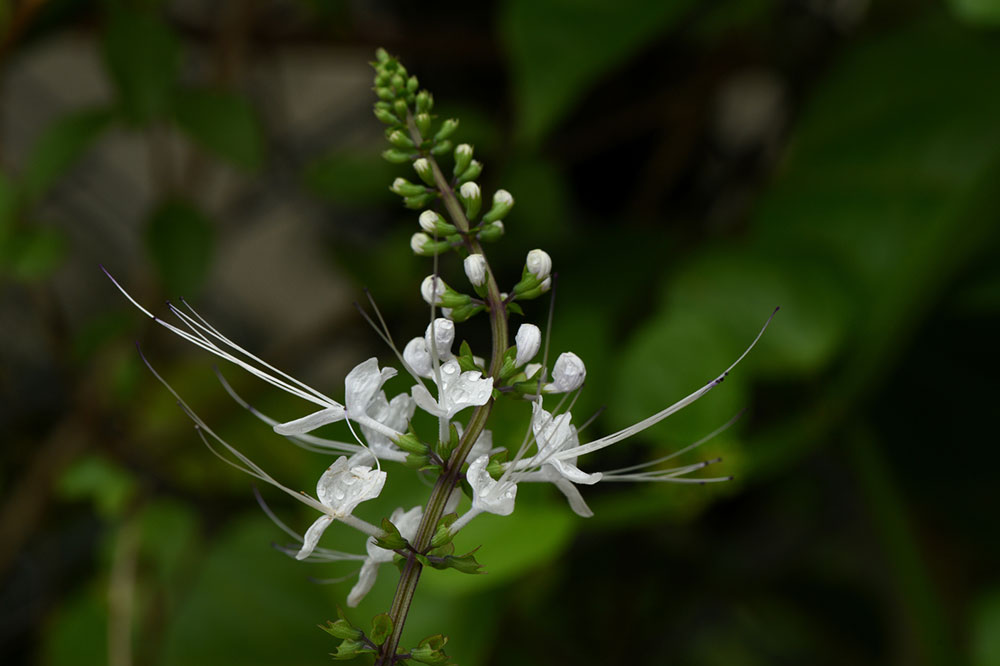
688,165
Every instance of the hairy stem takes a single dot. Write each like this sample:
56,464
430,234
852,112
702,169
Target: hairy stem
446,483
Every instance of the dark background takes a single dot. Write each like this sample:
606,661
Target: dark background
688,165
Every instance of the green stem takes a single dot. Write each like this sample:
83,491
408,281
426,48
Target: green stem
446,483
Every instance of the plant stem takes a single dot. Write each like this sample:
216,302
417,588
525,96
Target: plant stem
446,483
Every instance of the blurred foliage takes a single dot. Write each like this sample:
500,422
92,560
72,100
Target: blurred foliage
865,205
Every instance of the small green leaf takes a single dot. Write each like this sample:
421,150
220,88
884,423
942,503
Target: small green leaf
381,628
99,480
32,254
180,240
342,629
223,123
143,58
60,145
392,539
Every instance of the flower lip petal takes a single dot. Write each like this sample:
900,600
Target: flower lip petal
343,487
488,494
312,535
311,422
362,384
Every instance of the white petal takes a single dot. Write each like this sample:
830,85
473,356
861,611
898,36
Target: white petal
311,422
342,486
573,496
312,535
366,579
463,389
418,357
362,384
425,401
569,471
443,331
567,374
488,494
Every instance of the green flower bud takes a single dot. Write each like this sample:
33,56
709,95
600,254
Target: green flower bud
502,203
411,444
433,223
470,195
472,173
398,82
405,188
399,139
423,121
419,201
448,128
395,156
382,56
491,232
416,461
386,117
463,157
385,93
412,84
400,108
425,101
423,169
442,148
465,312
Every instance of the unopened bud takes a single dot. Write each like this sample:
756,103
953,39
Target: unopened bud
442,148
400,108
418,358
418,241
432,289
502,203
448,128
423,121
463,157
423,169
491,232
425,101
472,197
567,374
399,139
539,264
395,156
527,340
405,188
412,84
387,117
475,168
475,269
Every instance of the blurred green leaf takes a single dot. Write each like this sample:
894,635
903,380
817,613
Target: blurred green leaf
77,634
249,605
224,123
673,355
62,143
977,12
352,178
95,478
143,58
559,48
180,240
32,254
171,542
985,631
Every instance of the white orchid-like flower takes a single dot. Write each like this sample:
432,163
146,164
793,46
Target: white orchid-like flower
488,494
340,490
456,391
395,414
407,523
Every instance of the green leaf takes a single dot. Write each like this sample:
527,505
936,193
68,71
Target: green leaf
60,145
560,48
97,479
223,123
977,12
143,58
381,628
77,633
986,630
180,240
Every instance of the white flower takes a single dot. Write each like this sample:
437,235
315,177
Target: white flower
394,414
361,385
475,269
456,391
432,289
341,488
527,340
488,494
567,374
539,264
418,357
407,524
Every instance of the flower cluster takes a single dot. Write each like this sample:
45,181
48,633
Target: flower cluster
457,388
